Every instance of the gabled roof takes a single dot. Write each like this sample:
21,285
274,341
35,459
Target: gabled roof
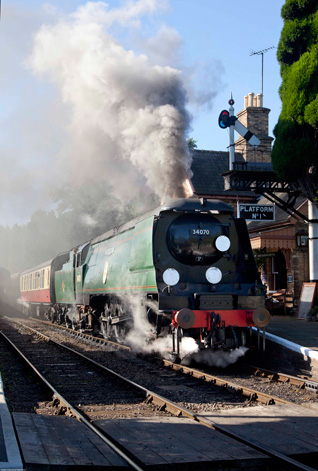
208,167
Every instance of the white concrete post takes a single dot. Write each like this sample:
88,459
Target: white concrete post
313,241
231,134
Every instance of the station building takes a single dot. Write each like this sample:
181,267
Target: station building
280,246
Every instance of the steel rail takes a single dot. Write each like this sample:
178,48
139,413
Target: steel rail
72,410
179,411
302,383
248,392
261,397
253,395
83,335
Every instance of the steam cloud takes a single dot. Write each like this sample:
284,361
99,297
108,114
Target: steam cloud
141,336
141,339
128,119
218,358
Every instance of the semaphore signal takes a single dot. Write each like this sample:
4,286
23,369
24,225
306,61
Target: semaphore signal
228,119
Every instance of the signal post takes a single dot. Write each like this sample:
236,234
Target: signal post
274,184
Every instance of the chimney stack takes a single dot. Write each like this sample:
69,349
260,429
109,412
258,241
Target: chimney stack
255,118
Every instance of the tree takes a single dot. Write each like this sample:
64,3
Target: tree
295,151
192,144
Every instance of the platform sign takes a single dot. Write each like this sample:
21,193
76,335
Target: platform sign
256,212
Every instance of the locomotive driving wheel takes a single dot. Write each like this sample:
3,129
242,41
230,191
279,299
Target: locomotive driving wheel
105,326
110,327
119,328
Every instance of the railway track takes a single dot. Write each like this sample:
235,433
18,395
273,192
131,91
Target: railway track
67,373
287,388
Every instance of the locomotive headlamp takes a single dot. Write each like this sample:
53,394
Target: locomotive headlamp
171,277
222,243
213,275
261,317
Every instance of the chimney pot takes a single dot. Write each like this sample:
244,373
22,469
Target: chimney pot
250,99
260,100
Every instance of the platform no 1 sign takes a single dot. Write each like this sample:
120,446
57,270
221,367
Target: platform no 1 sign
256,212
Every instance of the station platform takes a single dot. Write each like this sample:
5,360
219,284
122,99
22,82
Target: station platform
298,331
285,429
293,343
10,457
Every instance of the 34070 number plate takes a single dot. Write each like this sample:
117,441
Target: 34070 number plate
201,232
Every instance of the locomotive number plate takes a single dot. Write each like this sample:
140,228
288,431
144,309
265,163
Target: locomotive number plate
201,232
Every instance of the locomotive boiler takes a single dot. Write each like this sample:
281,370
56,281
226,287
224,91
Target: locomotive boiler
189,263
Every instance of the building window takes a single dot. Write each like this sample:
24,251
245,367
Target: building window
302,240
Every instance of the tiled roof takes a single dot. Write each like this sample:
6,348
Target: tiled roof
208,167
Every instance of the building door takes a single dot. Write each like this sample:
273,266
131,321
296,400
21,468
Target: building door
279,269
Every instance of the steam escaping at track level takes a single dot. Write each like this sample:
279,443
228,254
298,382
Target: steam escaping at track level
141,337
128,119
219,358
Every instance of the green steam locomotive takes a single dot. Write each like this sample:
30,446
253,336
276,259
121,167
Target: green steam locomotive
189,264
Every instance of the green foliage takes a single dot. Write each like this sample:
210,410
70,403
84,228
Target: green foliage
295,150
294,40
192,144
293,153
311,113
300,88
297,8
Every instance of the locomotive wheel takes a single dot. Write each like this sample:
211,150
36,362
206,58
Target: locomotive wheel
118,329
106,326
119,332
243,338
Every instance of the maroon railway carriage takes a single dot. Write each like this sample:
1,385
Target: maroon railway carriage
35,288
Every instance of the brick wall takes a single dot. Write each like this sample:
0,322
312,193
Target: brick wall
255,119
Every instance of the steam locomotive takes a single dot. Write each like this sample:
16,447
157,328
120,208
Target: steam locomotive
189,263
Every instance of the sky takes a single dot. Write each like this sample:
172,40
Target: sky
61,60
